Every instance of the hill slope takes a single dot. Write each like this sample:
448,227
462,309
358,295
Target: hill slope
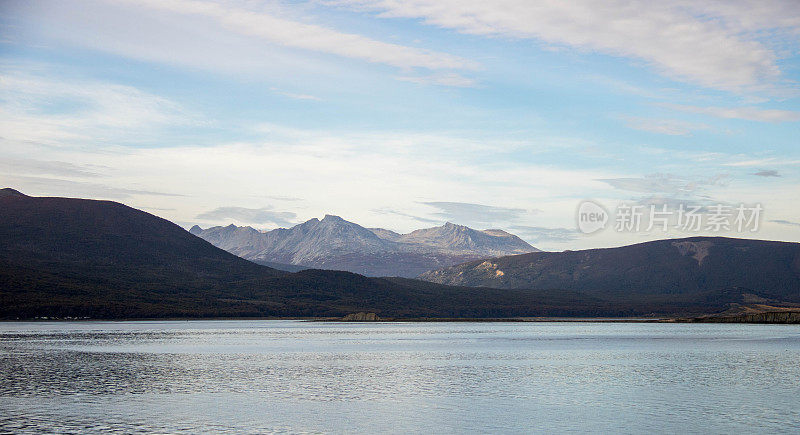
337,244
64,257
665,267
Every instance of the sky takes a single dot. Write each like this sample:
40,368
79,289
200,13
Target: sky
406,114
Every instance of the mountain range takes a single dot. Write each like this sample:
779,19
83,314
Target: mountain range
78,258
334,243
664,267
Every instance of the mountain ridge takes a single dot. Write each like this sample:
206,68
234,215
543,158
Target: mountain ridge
671,266
335,243
76,258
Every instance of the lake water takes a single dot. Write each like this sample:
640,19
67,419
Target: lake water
292,376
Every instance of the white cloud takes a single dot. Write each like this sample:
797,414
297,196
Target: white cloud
747,113
46,186
763,162
275,29
296,96
54,111
451,79
665,184
672,127
264,215
714,46
477,214
345,175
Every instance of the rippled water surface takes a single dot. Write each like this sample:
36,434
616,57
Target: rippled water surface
291,376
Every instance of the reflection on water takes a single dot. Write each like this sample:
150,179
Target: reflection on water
288,376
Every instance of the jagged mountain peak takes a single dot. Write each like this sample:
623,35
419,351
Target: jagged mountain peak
336,243
449,226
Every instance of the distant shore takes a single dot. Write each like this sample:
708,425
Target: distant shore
772,317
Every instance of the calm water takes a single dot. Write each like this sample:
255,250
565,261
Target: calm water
288,376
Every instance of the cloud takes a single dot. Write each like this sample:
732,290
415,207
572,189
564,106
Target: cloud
763,162
746,113
26,166
662,183
284,198
468,213
386,210
670,127
42,186
276,29
675,202
295,96
715,45
451,79
670,190
545,235
767,173
785,222
53,111
264,215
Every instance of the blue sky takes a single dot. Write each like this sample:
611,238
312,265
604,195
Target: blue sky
405,114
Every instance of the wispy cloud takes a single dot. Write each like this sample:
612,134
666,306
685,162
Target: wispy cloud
469,213
295,95
279,30
767,173
266,215
746,113
672,127
451,79
536,235
769,161
45,186
715,47
284,198
785,222
24,166
49,110
387,210
663,183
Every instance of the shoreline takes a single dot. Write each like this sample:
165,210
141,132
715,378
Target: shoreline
771,317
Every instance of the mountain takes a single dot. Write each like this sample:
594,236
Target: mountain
337,244
666,267
458,238
78,258
67,258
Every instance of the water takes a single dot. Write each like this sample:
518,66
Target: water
291,376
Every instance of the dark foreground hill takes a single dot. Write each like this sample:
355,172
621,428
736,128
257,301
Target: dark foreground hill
63,258
686,267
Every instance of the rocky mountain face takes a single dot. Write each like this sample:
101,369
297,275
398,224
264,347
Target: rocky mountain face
334,243
666,267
